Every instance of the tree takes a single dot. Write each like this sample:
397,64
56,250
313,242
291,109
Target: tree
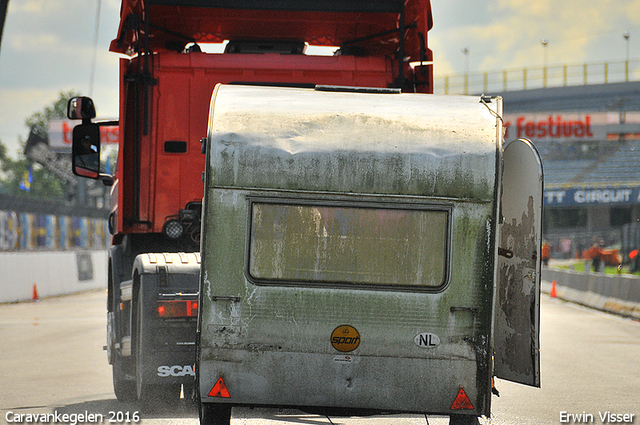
23,177
39,121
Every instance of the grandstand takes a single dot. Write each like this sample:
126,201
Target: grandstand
589,140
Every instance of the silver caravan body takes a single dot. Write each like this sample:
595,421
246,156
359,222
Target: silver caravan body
357,254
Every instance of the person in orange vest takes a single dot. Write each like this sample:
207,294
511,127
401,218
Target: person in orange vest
545,254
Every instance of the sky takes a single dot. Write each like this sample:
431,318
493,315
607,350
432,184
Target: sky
48,46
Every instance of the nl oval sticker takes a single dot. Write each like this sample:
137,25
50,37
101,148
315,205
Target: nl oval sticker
345,338
427,340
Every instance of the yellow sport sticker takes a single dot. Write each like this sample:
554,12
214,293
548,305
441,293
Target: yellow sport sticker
345,338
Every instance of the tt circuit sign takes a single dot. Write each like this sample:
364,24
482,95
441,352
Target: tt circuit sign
600,196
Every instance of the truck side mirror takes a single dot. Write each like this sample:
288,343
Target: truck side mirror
85,151
81,108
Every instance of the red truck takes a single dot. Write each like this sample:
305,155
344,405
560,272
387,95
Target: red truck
166,83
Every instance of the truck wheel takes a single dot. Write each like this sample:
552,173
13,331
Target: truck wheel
463,420
215,414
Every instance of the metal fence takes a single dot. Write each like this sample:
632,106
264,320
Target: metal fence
538,77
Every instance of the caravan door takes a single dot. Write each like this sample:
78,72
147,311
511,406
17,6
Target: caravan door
517,318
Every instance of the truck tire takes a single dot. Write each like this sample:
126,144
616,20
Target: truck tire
152,398
214,414
124,389
463,420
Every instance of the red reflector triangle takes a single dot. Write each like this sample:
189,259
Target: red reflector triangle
462,402
220,390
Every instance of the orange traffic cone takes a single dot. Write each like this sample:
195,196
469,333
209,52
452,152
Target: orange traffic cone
553,294
34,296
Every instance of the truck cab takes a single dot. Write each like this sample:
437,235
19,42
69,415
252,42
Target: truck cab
167,77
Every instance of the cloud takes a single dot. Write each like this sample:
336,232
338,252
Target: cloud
508,33
47,47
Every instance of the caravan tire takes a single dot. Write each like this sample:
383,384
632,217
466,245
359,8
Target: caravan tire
215,414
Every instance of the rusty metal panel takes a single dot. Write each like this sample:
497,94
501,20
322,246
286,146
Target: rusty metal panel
517,321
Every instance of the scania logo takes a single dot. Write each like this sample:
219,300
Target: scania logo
345,338
164,371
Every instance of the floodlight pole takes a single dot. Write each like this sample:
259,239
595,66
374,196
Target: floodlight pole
626,36
465,51
545,43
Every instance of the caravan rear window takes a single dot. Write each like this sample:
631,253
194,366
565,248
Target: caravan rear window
348,245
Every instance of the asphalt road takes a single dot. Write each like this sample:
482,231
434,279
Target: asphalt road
51,360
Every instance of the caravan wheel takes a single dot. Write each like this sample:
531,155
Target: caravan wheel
215,414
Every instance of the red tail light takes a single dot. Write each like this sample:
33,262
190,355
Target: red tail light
178,308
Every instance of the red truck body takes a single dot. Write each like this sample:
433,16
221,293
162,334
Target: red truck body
179,105
165,93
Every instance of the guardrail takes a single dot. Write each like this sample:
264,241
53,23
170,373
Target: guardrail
527,78
618,294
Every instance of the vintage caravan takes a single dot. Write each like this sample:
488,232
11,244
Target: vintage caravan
365,251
